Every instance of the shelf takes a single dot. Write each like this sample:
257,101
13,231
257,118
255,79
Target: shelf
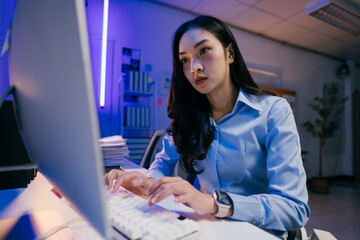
137,128
145,94
136,106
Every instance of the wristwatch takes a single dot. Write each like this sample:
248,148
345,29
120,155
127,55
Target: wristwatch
224,203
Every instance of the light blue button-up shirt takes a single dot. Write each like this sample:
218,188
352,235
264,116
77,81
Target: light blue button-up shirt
256,158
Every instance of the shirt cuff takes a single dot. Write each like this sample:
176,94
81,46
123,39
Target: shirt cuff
247,209
153,173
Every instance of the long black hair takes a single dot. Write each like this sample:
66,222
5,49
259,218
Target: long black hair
190,110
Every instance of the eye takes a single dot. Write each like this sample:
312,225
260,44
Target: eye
184,61
204,50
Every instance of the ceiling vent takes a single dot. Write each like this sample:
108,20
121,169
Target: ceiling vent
341,14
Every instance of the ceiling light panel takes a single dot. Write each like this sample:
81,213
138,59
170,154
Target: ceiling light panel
341,14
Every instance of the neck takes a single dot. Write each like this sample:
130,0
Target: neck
223,103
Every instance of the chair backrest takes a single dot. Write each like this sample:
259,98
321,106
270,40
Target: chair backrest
150,149
299,234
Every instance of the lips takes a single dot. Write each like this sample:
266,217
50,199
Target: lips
199,80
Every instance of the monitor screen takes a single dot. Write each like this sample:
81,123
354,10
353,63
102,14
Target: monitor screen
49,65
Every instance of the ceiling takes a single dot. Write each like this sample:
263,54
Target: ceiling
281,20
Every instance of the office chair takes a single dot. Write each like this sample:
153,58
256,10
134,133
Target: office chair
299,234
150,149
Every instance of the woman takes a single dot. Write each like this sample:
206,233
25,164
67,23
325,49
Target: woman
241,141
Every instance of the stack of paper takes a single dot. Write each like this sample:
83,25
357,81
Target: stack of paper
114,150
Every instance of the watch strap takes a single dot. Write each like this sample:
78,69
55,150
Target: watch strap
223,209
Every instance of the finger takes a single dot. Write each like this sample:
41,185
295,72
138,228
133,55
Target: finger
124,178
109,178
143,182
119,181
166,190
160,182
116,186
183,198
113,174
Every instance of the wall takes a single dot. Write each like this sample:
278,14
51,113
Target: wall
6,11
149,27
139,25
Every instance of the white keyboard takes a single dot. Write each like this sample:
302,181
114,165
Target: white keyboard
133,218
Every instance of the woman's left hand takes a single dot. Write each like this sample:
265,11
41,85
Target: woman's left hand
184,193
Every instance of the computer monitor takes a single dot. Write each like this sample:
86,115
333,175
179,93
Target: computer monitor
49,65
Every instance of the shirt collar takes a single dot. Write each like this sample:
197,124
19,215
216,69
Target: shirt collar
243,98
247,99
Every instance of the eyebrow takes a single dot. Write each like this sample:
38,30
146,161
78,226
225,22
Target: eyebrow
196,45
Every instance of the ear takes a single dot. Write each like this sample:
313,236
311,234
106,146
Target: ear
231,53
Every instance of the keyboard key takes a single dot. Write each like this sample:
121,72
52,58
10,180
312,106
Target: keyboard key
130,215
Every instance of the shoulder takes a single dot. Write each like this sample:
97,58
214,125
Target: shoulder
269,103
274,108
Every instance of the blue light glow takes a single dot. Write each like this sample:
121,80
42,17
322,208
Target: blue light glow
103,53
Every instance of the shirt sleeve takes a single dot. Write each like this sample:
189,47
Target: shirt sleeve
285,206
165,161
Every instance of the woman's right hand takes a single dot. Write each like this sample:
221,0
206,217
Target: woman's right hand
133,181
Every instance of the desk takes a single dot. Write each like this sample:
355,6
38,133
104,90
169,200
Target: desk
37,197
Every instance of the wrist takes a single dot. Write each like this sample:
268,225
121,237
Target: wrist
213,208
231,211
224,204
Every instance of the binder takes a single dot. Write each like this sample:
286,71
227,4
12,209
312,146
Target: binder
142,82
136,81
147,117
131,81
128,117
133,117
143,117
126,78
146,82
125,117
138,117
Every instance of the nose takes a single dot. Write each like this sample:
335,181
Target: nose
196,66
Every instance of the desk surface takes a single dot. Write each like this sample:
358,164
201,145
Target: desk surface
38,197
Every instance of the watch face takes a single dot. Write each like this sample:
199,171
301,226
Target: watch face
223,198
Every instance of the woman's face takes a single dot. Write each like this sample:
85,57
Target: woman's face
205,63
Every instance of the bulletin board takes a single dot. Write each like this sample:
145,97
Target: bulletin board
130,60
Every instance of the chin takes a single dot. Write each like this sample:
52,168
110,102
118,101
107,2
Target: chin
202,90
